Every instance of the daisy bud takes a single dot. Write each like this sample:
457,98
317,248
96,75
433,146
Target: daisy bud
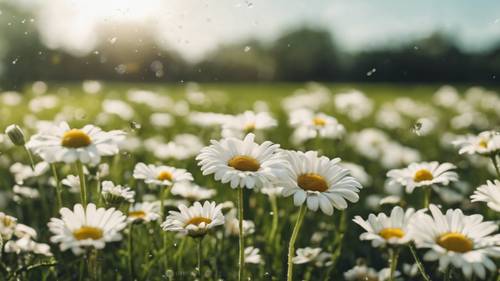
15,134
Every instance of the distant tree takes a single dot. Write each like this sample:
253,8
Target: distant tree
305,54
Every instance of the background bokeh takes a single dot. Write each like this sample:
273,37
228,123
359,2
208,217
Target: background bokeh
249,40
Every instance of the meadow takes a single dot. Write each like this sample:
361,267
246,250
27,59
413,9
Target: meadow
387,137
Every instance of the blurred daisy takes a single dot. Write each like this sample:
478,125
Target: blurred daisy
161,175
361,273
252,255
145,211
486,143
116,194
90,227
354,104
232,226
196,220
7,226
318,182
26,245
247,122
308,254
456,239
242,163
309,125
489,193
119,108
73,182
192,192
382,230
423,174
62,144
21,192
24,172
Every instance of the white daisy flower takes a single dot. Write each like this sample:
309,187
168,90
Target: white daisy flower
145,211
318,181
354,104
242,163
247,122
252,255
486,143
161,175
91,227
24,172
382,230
26,245
196,220
62,144
308,254
192,192
116,194
232,226
73,182
361,273
21,192
7,226
489,193
309,125
456,239
423,174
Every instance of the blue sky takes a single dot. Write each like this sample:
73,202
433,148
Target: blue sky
194,27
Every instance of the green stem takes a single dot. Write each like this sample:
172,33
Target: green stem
393,262
199,257
420,266
427,196
448,273
295,234
495,164
338,241
83,186
32,162
58,186
241,238
274,227
163,194
131,252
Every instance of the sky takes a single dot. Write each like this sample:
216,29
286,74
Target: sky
195,27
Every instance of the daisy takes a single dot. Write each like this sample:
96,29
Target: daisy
161,175
248,122
382,230
90,227
318,182
486,143
196,220
7,226
308,254
242,163
26,245
354,104
361,273
423,174
192,192
309,125
73,182
116,194
145,211
24,172
232,224
489,193
63,144
457,239
252,255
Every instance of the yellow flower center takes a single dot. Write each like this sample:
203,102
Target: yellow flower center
423,175
318,121
165,176
244,163
88,232
483,143
249,127
75,138
8,221
312,182
456,242
198,220
137,214
388,233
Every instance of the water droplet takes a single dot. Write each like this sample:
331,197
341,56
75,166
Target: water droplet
134,125
121,69
113,40
15,60
271,213
247,49
371,72
415,48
